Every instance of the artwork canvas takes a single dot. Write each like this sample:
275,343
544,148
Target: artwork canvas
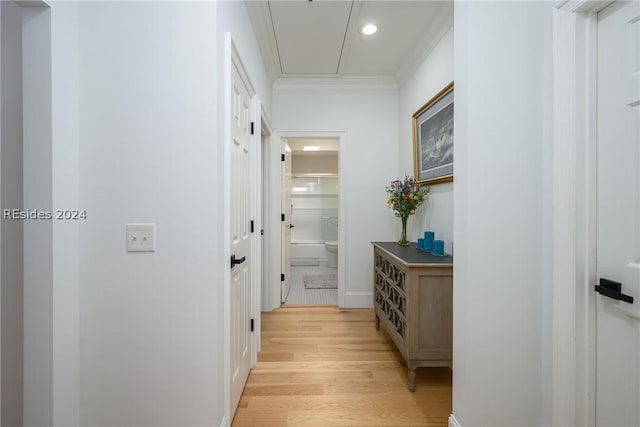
433,139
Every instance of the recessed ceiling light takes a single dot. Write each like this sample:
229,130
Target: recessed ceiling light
311,148
299,189
369,29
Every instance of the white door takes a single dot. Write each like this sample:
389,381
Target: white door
240,236
286,224
618,217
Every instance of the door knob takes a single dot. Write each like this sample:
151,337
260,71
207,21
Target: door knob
292,226
235,261
612,289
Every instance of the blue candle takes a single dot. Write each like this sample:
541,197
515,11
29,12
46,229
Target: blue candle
421,243
428,240
438,247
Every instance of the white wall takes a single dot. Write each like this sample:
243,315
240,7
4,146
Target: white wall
12,248
48,263
38,234
433,74
501,221
65,157
150,336
150,93
368,159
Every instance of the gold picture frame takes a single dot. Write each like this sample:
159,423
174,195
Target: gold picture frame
433,139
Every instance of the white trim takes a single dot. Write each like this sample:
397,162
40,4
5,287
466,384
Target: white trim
265,140
236,60
358,299
256,215
342,205
224,422
453,422
32,3
265,122
586,297
335,83
342,222
583,6
563,366
1,222
441,23
573,384
226,224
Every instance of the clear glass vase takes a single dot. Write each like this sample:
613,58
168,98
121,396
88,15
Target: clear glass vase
403,237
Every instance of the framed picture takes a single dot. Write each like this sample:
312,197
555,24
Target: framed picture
433,139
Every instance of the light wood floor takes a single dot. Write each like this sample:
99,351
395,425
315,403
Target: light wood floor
322,366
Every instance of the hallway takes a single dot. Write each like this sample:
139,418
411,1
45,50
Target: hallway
322,366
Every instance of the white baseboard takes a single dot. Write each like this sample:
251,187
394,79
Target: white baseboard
358,299
224,422
453,422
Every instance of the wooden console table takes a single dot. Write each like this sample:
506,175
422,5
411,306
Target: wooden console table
413,300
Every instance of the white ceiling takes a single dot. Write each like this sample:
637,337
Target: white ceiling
321,38
309,35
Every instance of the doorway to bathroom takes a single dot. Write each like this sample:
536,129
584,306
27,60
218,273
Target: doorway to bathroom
311,197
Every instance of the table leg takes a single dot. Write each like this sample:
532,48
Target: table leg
377,323
412,377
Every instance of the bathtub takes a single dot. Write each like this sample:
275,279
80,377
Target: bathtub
308,252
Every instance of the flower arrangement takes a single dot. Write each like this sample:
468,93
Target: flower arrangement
404,197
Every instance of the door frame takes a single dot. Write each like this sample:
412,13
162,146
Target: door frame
575,25
272,238
232,58
276,193
261,129
260,240
287,211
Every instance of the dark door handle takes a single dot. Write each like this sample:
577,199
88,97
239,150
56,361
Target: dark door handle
235,261
292,226
612,289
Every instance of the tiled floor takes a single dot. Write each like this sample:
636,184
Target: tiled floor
299,295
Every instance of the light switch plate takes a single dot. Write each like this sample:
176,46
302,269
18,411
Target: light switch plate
141,237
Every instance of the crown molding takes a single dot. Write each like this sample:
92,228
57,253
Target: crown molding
259,14
583,6
442,22
33,3
335,83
